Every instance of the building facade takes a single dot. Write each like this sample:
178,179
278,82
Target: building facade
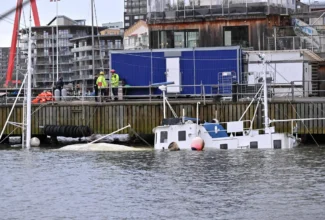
17,73
137,36
45,52
83,59
206,23
134,10
114,25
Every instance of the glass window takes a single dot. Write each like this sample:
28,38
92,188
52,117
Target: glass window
163,137
182,136
192,39
179,40
127,18
166,39
236,36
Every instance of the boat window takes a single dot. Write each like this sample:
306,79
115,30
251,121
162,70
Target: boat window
224,146
277,144
253,145
156,134
163,137
181,135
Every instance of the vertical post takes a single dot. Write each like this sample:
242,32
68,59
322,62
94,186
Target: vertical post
57,41
17,62
151,67
274,28
222,8
266,119
292,90
29,85
53,59
164,100
194,70
197,117
93,43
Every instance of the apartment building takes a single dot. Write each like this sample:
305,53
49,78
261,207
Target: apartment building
17,73
134,10
83,59
45,52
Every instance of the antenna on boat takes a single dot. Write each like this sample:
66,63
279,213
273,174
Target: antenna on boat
266,117
163,87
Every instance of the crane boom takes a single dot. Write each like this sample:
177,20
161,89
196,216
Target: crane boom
15,31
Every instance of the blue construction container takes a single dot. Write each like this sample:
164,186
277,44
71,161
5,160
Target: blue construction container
189,68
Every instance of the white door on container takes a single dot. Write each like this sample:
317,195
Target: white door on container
173,75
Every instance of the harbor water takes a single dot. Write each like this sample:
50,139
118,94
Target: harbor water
221,184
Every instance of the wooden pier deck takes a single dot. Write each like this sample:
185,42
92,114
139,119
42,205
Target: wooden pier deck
143,116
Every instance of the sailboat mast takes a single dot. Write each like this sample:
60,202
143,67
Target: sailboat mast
29,85
93,37
266,117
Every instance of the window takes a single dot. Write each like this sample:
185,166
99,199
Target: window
224,146
136,17
182,136
127,24
253,145
277,144
235,36
127,18
163,137
179,40
192,39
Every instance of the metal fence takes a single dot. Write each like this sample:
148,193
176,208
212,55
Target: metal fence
239,92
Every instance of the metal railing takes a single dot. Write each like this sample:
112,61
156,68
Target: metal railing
216,7
294,90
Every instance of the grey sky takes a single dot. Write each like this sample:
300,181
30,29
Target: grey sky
107,11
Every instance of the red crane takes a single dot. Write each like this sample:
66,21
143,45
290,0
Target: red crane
15,31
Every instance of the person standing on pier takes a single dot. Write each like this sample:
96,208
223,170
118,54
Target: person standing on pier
102,84
96,87
115,83
60,84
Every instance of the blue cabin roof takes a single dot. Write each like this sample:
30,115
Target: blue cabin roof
210,127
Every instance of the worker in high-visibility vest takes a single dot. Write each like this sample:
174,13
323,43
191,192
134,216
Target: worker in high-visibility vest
101,83
115,80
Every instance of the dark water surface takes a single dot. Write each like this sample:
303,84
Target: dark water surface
238,184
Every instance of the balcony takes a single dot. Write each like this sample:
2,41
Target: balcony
298,37
89,67
89,57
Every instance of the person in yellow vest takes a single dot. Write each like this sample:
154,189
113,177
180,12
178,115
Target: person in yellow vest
115,82
102,84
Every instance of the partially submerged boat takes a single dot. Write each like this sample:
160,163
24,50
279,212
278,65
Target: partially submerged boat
188,133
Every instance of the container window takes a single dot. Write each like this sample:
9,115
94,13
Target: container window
182,136
163,137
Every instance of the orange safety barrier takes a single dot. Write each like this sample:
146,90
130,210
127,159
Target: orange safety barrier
44,97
